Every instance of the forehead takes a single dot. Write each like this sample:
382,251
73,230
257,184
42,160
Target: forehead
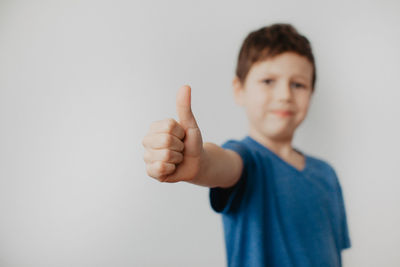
288,64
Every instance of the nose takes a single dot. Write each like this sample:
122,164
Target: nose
284,92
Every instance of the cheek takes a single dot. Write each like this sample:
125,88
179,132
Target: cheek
303,100
261,100
258,103
302,106
261,106
305,104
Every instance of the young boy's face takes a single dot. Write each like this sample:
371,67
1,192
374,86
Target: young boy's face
276,95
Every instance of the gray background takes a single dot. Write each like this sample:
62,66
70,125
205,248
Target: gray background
81,81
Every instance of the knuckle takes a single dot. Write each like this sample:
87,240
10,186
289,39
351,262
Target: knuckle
146,156
150,171
160,167
181,146
151,174
169,124
179,157
162,178
168,140
167,155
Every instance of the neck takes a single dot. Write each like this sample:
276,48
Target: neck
280,146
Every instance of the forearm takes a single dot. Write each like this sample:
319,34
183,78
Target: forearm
219,167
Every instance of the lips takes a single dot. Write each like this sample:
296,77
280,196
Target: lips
283,113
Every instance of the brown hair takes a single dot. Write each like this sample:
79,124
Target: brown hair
271,41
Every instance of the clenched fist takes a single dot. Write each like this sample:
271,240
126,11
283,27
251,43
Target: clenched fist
173,150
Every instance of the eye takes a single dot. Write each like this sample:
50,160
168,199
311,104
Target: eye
268,81
298,85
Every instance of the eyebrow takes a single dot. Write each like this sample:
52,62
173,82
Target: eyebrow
300,76
296,76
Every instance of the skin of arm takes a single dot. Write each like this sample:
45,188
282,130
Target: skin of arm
219,167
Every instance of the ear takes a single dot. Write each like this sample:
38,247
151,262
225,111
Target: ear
238,91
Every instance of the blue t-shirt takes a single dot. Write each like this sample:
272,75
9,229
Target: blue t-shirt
277,215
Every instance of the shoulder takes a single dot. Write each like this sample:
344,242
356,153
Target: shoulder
321,164
322,168
234,143
246,144
239,146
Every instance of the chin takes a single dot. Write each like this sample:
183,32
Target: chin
279,134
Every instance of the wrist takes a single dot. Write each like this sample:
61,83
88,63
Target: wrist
201,175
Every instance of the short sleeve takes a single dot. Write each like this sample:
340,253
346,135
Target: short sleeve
227,200
345,238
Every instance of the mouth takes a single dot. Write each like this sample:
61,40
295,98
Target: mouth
283,113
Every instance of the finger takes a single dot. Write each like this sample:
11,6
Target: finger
164,155
170,126
183,108
159,169
163,141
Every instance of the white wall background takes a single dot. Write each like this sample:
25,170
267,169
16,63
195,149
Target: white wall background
80,82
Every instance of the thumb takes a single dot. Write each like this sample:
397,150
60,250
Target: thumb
183,108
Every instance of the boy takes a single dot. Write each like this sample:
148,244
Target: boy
280,207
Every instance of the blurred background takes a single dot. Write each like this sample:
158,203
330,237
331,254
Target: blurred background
81,81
